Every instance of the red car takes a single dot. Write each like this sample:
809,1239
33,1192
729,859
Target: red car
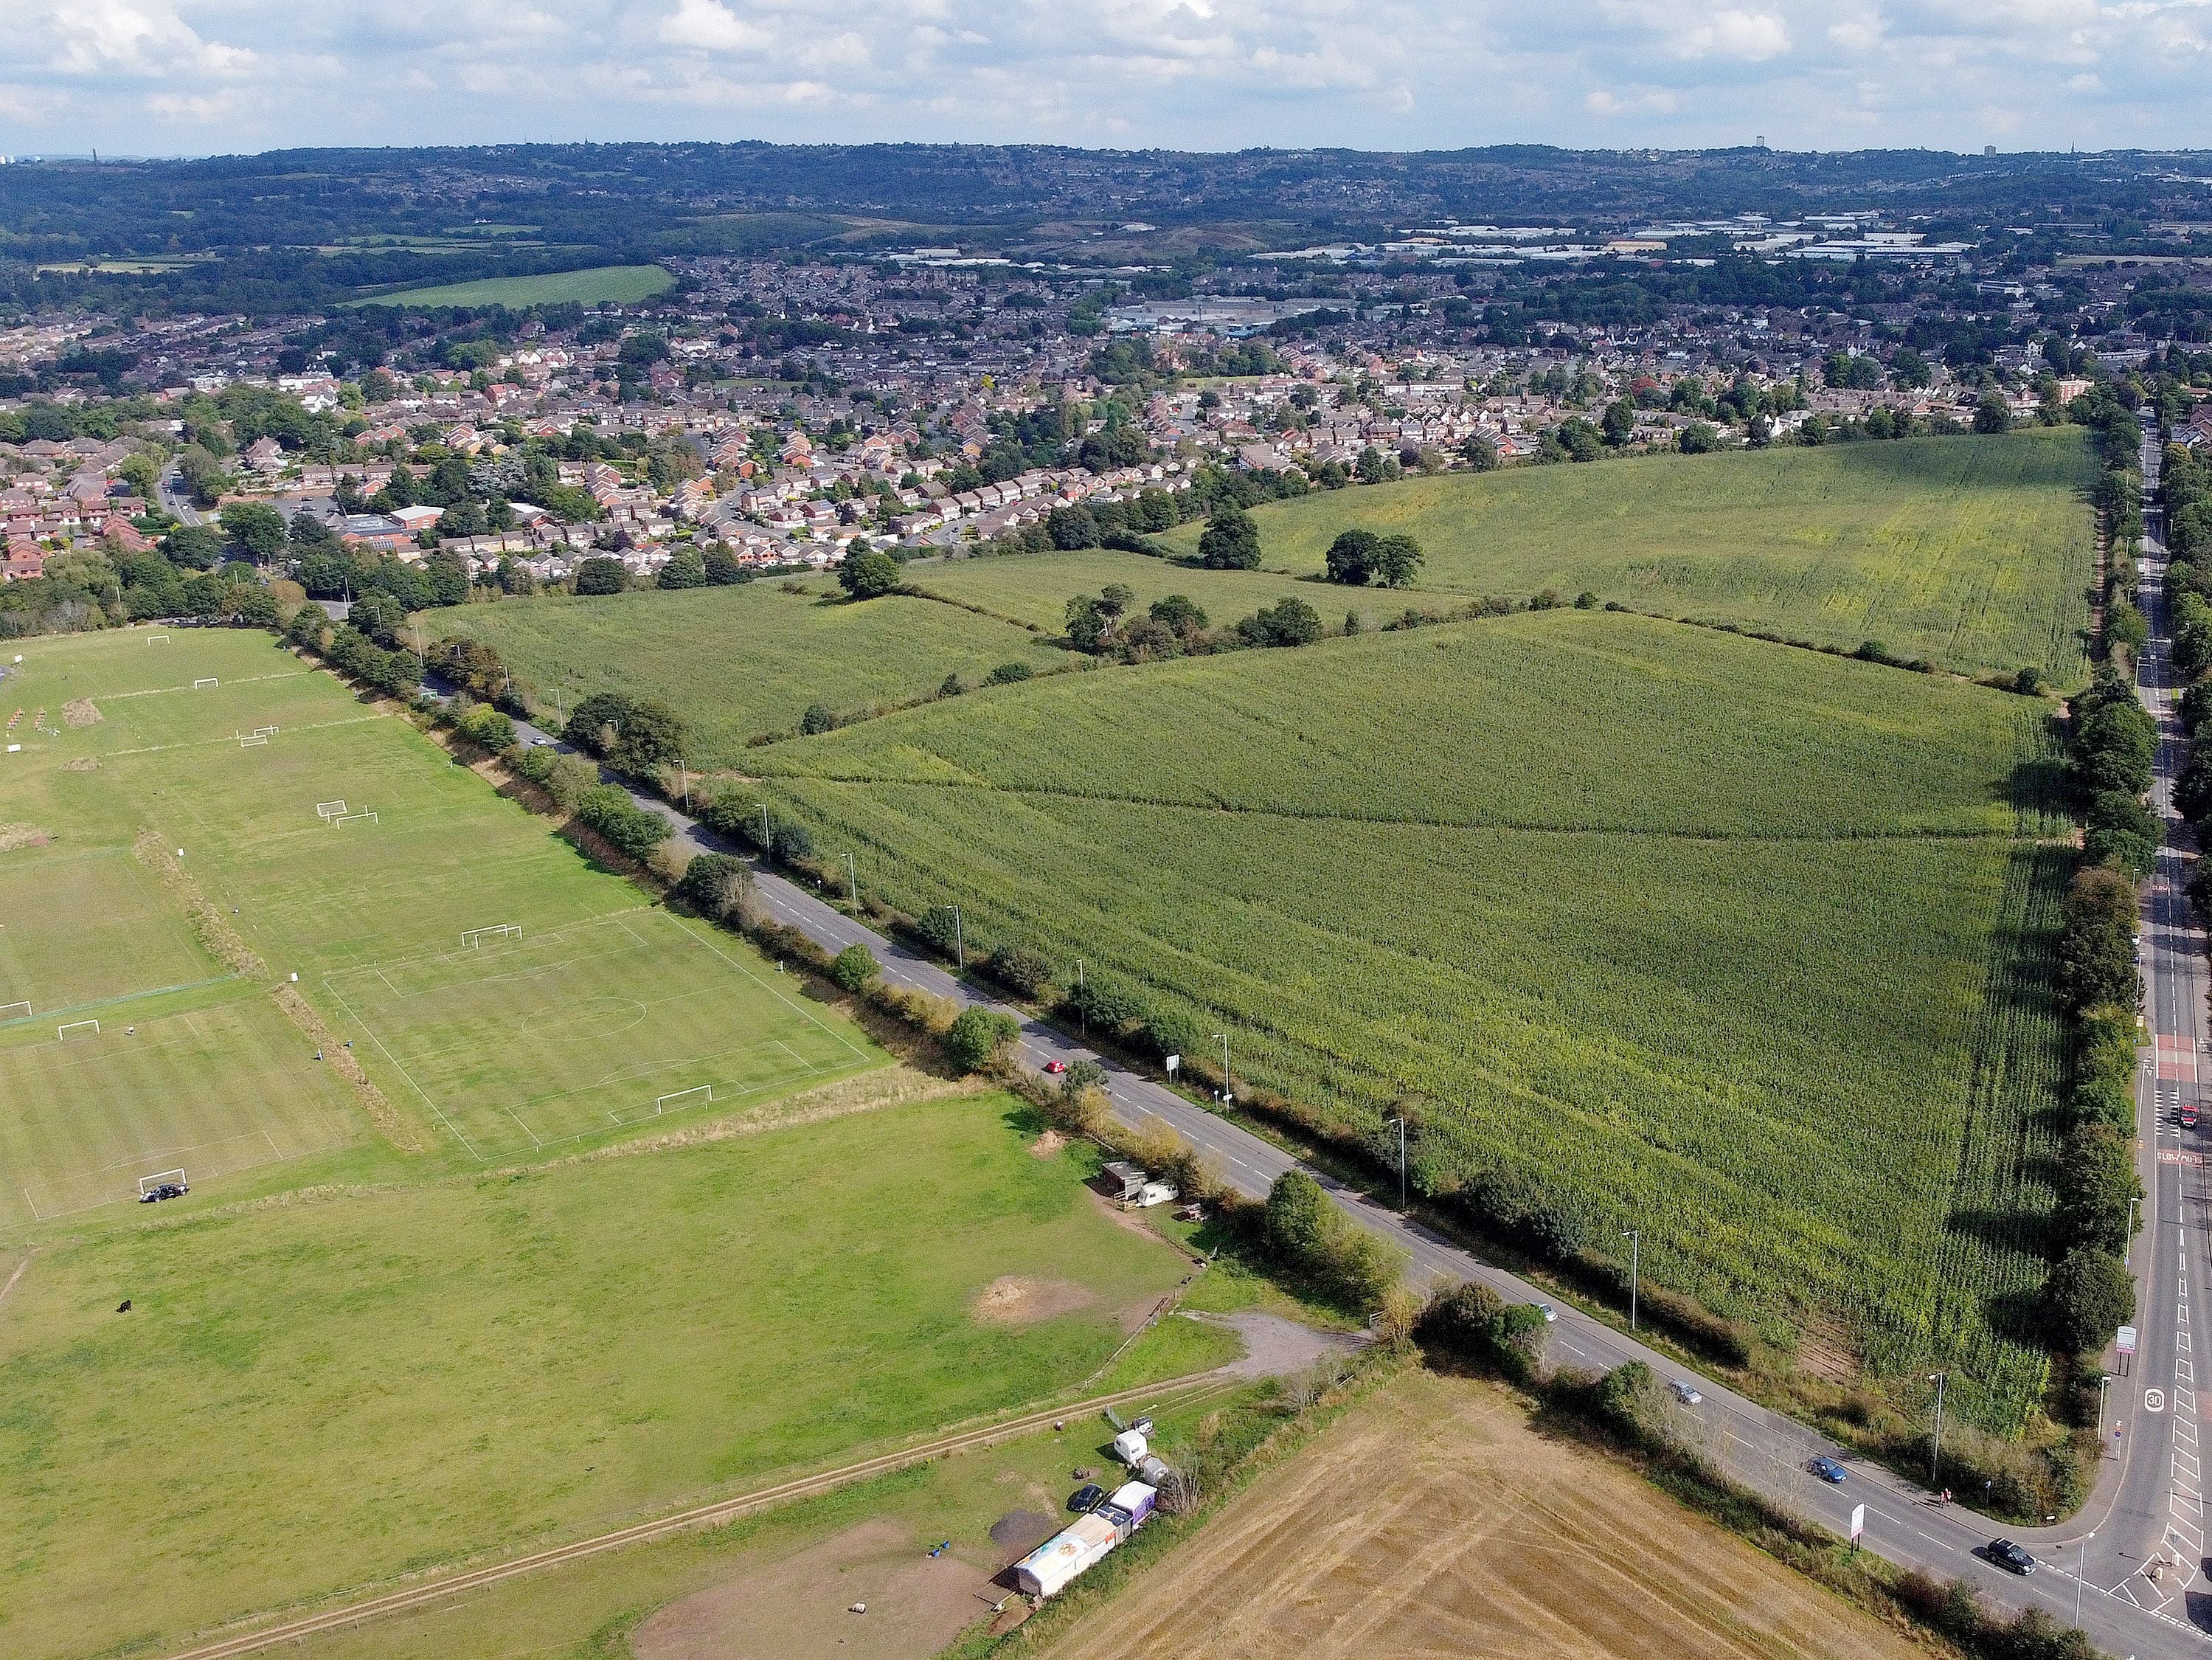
1055,1067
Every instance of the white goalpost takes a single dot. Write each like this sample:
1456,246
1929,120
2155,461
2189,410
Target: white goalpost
61,1035
660,1105
9,1011
157,639
350,818
329,809
210,681
148,1184
474,938
261,739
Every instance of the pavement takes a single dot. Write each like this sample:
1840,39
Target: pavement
2096,1572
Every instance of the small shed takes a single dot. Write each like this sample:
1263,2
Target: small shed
1121,1180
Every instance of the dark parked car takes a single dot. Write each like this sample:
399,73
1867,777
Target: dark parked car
1087,1498
2006,1554
166,1190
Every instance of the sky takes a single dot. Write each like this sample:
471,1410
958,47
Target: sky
169,77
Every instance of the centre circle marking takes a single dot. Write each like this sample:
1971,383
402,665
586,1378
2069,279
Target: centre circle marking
595,1017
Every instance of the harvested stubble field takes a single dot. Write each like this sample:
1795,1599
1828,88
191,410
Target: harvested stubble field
1432,1520
1975,553
743,659
1648,925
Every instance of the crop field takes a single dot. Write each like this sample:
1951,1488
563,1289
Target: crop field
624,284
1036,587
743,659
1648,926
1525,1545
1975,553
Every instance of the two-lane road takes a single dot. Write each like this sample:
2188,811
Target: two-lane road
1763,1449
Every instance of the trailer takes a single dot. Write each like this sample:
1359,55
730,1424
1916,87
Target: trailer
1048,1568
1130,1446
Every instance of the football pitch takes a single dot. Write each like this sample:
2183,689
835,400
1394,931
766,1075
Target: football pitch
505,995
515,1043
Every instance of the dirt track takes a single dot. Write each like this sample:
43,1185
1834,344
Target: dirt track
1432,1521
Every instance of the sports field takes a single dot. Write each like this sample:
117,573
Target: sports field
1650,926
623,284
615,1218
743,659
1036,587
1975,553
502,995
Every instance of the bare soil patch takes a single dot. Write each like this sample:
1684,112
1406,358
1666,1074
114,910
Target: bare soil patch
800,1607
1048,1145
13,836
83,764
1276,1347
1018,1532
1432,1521
82,712
1018,1299
1824,1350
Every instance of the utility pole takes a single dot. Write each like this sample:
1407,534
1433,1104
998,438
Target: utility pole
1634,1238
1935,1449
1226,1095
1401,1124
852,881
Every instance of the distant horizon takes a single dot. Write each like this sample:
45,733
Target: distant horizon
185,79
1999,153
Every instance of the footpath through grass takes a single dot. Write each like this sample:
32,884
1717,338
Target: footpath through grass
1975,553
1642,926
485,1314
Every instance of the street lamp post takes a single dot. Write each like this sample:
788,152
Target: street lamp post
2127,1247
2080,1578
852,881
1399,1125
1227,1096
2104,1382
1935,1448
960,943
764,843
1634,1238
683,774
1082,1003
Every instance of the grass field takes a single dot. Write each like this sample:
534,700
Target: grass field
624,284
518,1358
1432,1520
743,659
555,1284
1650,926
1976,553
1036,587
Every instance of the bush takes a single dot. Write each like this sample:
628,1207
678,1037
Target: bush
1007,674
2089,1296
487,728
816,720
1311,1237
1020,968
713,883
869,576
939,925
601,577
608,812
853,968
977,1035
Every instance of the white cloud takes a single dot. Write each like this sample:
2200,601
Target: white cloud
711,27
1203,74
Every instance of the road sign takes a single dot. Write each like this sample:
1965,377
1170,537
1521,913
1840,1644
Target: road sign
2126,1342
1174,1060
1858,1522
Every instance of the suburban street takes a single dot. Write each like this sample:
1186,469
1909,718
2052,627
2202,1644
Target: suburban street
2119,1605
